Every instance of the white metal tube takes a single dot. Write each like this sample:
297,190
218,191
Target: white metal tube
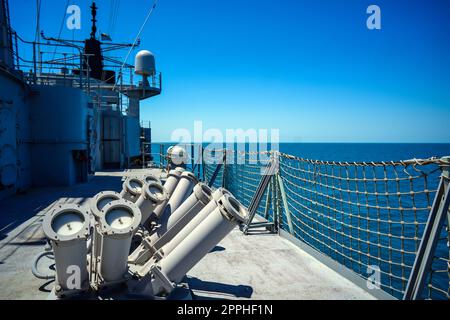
203,239
118,223
67,228
131,189
199,198
172,180
191,225
169,185
152,195
180,194
97,204
151,178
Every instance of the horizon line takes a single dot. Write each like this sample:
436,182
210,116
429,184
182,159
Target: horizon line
306,142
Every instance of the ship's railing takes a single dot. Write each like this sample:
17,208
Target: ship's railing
62,63
367,216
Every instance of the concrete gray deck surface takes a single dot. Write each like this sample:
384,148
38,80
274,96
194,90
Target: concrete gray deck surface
260,266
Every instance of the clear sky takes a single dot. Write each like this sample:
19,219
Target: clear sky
310,68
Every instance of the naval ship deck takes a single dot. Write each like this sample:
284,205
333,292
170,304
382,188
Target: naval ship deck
256,266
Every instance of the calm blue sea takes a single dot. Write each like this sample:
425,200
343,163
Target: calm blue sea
355,151
365,151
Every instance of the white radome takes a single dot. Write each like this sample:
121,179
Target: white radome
144,63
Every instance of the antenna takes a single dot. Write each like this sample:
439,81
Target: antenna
94,14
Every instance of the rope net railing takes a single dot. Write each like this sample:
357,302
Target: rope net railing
364,215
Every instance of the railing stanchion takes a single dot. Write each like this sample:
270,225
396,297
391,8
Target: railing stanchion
285,203
427,248
34,63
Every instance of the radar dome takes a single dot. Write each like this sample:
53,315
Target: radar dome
144,63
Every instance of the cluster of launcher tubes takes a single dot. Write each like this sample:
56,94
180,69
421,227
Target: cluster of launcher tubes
145,238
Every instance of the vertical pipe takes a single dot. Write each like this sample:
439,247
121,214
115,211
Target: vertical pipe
67,228
203,163
161,154
97,204
192,158
446,174
118,224
34,63
81,71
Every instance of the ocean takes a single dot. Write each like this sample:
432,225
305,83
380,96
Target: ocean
351,151
365,151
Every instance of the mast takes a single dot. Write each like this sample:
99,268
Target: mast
93,50
37,37
94,20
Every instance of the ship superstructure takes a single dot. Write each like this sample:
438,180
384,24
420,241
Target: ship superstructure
69,110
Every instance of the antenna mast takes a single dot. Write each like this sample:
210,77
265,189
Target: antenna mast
94,20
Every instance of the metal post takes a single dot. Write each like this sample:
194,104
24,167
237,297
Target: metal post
192,158
285,203
34,63
224,173
161,150
131,76
17,50
216,172
267,175
203,163
278,220
199,162
81,71
446,175
40,60
266,209
430,237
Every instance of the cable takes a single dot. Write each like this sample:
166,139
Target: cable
111,14
115,13
135,40
35,270
61,27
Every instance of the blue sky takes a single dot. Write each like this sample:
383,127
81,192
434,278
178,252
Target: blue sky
310,68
